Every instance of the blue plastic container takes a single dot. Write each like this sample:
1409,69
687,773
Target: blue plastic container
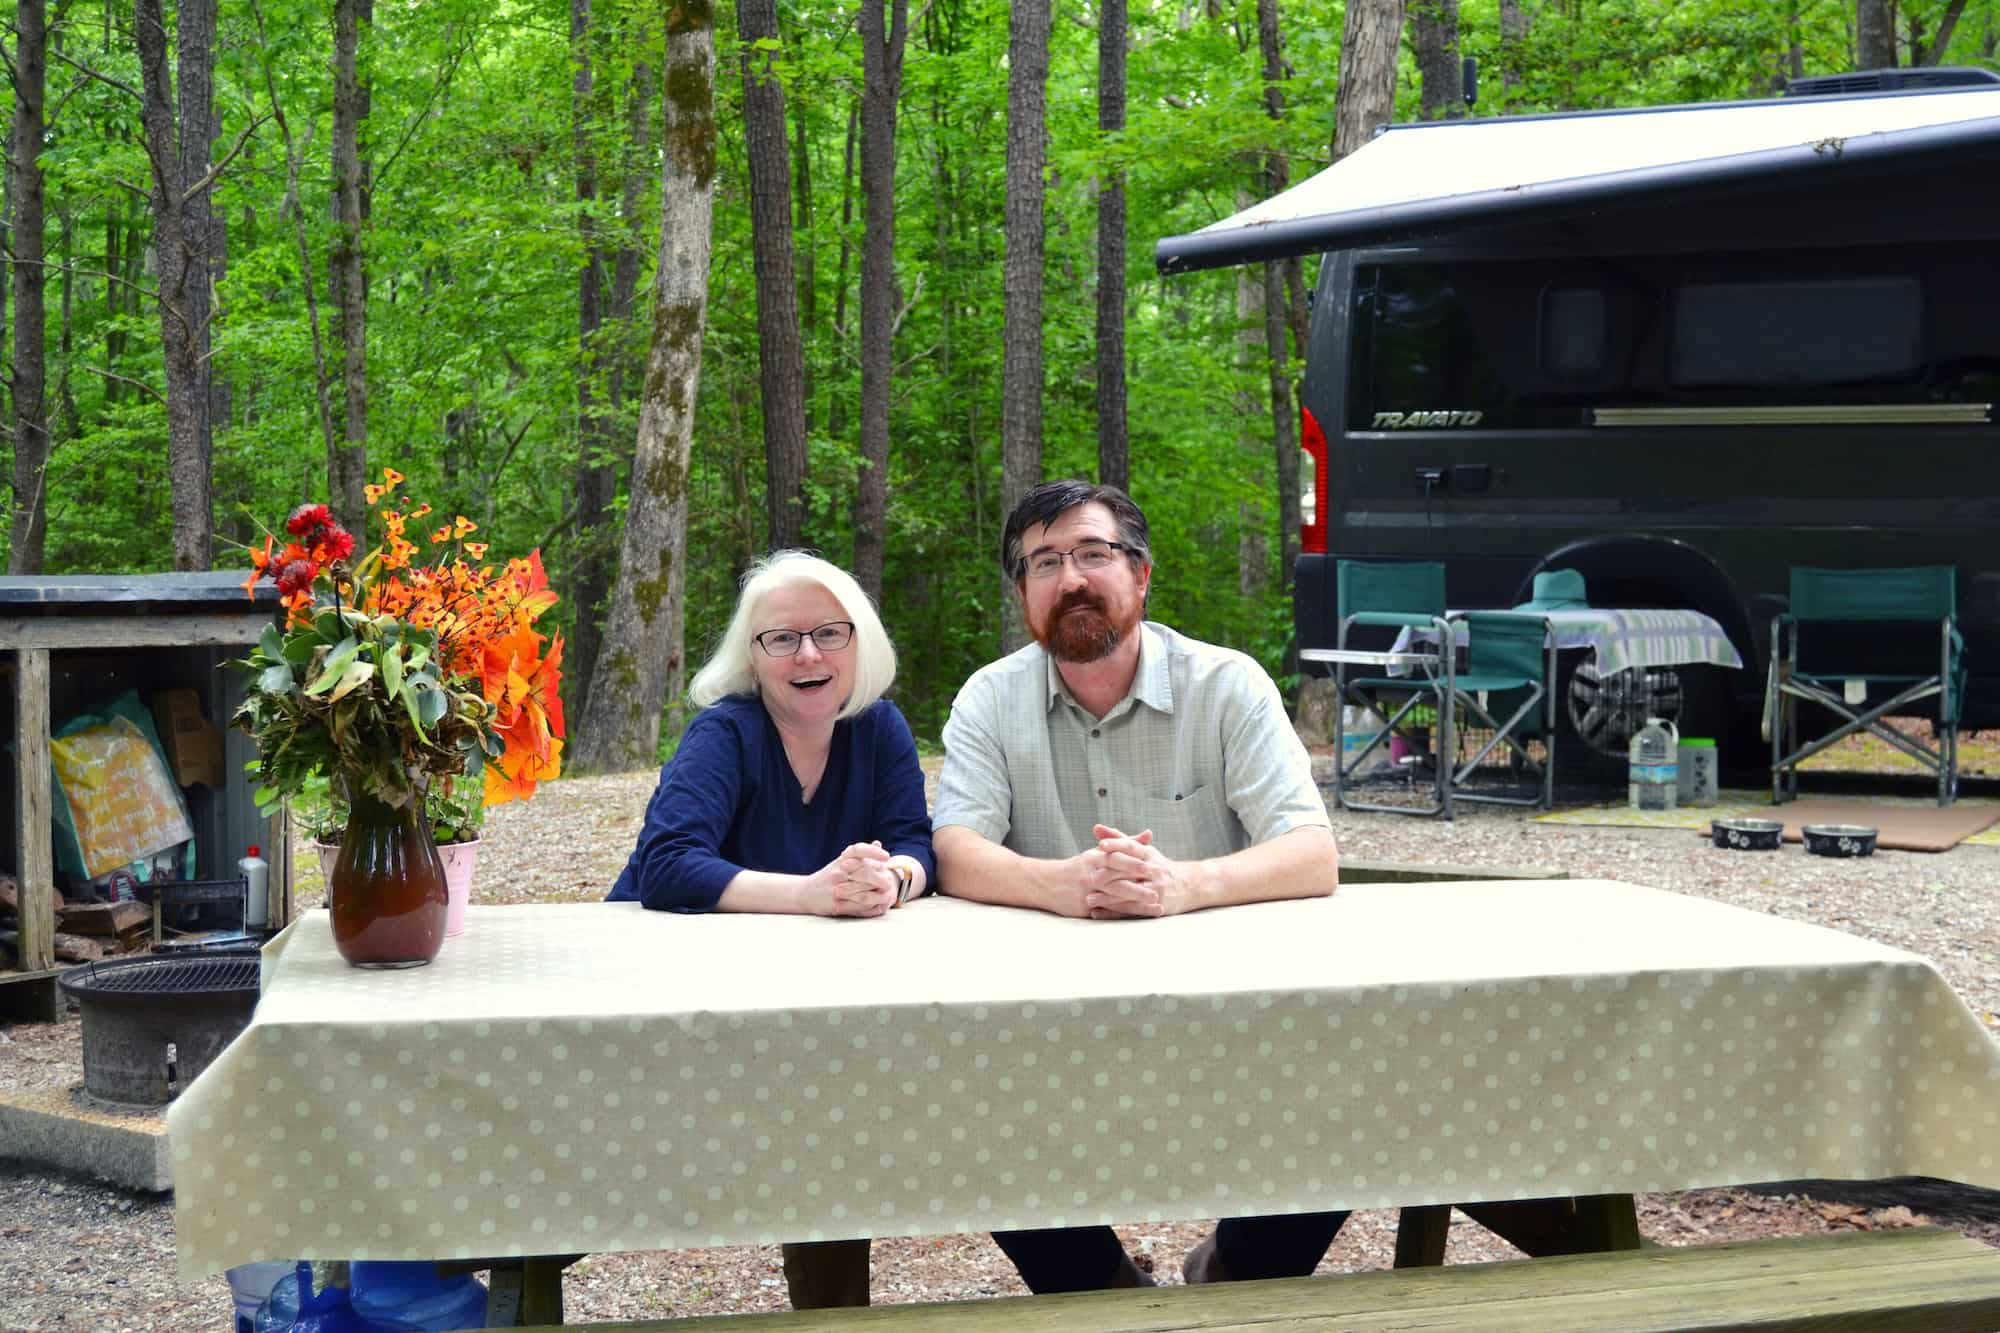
416,1295
294,1307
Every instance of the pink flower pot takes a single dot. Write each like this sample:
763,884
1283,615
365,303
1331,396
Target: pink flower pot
458,858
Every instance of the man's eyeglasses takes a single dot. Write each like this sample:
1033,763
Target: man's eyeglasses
828,638
1085,555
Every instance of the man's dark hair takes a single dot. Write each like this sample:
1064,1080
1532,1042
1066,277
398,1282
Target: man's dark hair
1052,499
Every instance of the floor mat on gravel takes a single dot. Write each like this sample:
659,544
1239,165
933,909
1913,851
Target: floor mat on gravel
1977,819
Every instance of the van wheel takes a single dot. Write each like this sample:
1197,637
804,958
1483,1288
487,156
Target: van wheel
1598,716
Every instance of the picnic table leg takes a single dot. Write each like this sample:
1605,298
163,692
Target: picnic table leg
526,1292
1420,1233
1542,1227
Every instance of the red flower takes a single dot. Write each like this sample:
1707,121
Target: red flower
332,543
296,576
307,517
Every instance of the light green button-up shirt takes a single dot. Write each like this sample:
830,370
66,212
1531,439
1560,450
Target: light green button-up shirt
1200,751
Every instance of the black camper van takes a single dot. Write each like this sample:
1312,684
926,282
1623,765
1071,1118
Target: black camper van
1679,350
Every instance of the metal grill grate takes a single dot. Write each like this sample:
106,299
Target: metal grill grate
166,976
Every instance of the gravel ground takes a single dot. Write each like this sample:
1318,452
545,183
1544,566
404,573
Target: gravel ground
78,1255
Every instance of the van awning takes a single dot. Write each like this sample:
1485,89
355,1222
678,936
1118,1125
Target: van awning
1425,179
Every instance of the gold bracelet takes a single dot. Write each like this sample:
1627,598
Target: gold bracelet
905,877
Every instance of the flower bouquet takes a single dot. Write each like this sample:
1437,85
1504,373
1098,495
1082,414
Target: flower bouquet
403,681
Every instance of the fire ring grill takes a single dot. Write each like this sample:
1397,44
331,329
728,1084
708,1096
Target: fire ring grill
150,1025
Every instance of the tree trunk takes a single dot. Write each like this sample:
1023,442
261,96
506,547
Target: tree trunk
24,192
1933,52
1513,52
1366,100
220,393
1252,551
180,237
836,410
882,37
1021,336
595,478
802,229
1874,35
641,662
195,38
609,449
308,279
1113,442
114,259
1284,421
780,359
347,467
71,423
1434,29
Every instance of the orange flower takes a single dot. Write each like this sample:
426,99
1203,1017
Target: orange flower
479,624
514,777
391,477
259,562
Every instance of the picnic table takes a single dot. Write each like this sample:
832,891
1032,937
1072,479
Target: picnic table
596,1077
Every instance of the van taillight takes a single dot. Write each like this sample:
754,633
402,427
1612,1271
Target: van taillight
1312,536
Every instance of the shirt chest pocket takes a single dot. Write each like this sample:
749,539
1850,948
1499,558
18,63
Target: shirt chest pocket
1196,824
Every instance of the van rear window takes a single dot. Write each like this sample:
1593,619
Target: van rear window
1797,334
1542,344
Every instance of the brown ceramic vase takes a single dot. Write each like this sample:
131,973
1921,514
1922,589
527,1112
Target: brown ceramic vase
387,894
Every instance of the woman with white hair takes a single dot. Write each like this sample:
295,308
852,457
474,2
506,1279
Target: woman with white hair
794,789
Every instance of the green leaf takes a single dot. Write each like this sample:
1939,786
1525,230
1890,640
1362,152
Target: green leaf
336,663
431,706
270,642
275,679
352,679
410,695
392,670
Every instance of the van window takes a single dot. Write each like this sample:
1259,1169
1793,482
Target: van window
1783,335
1541,344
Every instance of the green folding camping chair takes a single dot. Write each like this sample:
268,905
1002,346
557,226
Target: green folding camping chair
1867,645
1510,672
1385,596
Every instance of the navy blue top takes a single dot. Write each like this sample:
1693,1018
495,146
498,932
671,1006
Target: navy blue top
728,801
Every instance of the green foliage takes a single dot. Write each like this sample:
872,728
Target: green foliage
455,808
475,243
357,697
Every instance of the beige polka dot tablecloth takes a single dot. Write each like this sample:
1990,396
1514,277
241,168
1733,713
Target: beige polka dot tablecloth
596,1077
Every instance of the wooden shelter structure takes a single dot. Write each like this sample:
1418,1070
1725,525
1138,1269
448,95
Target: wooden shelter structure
72,641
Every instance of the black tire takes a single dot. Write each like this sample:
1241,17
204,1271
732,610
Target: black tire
1595,720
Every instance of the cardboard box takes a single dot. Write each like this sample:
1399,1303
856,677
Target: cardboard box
194,747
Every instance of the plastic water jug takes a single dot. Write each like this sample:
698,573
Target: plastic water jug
294,1307
250,1286
1700,780
1358,726
1653,774
416,1295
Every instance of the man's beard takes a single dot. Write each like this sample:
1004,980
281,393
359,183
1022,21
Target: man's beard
1089,635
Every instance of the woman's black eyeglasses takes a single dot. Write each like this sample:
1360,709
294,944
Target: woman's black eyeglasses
828,638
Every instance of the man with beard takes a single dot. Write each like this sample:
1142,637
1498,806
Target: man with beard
1114,769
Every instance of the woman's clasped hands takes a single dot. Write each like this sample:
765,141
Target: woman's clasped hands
858,882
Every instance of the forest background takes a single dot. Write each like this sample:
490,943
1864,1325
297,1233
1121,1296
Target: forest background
653,287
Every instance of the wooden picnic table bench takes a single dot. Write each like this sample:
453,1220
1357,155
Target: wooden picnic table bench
1919,1280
